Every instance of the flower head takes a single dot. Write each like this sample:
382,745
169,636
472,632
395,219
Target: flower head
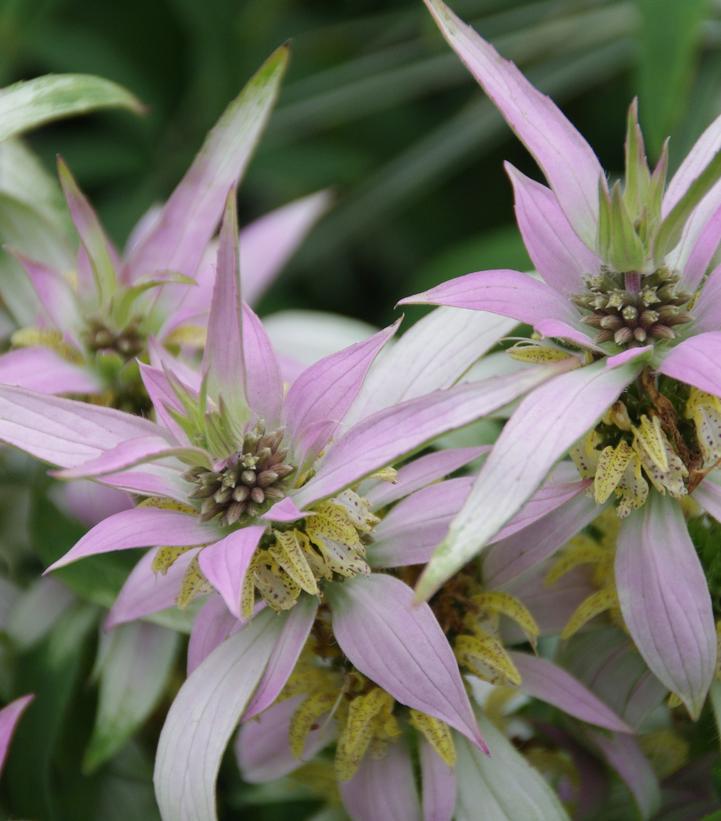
624,288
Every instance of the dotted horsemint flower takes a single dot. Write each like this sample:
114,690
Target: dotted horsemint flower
96,311
624,289
264,500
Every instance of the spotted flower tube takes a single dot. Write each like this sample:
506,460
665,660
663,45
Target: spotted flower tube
623,280
96,316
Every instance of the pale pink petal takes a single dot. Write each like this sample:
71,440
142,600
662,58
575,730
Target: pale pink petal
401,429
434,354
412,530
383,788
62,431
54,293
438,782
267,244
696,361
285,656
702,253
399,645
146,592
419,473
542,429
140,527
188,376
507,558
629,355
226,562
556,251
624,755
223,357
284,511
89,502
665,600
693,164
556,329
263,383
150,480
262,749
164,399
189,218
544,680
131,453
45,371
562,486
9,717
100,253
707,310
203,716
505,292
213,624
708,495
569,164
324,392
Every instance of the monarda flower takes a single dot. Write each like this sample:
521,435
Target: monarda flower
93,322
624,288
258,494
9,717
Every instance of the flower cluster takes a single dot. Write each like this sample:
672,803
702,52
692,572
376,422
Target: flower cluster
364,601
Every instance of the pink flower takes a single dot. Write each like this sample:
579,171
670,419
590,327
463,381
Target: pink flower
624,287
90,326
9,717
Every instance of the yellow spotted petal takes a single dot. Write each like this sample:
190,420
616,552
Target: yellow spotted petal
331,521
388,474
289,554
633,489
485,657
653,441
162,503
45,338
589,608
612,463
585,455
274,584
165,558
305,717
537,354
590,553
437,733
194,584
498,602
358,731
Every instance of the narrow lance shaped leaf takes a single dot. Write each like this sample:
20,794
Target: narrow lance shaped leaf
638,176
30,103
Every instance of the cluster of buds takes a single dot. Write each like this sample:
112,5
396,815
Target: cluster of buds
631,309
128,343
247,483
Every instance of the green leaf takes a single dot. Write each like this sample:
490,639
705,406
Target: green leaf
121,309
30,103
134,663
618,242
669,38
669,232
51,670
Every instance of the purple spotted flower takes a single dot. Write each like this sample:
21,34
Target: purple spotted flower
624,287
92,322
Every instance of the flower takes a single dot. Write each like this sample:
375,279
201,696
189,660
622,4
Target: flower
93,322
259,495
623,284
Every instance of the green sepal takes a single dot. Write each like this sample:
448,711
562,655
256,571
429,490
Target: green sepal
619,244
